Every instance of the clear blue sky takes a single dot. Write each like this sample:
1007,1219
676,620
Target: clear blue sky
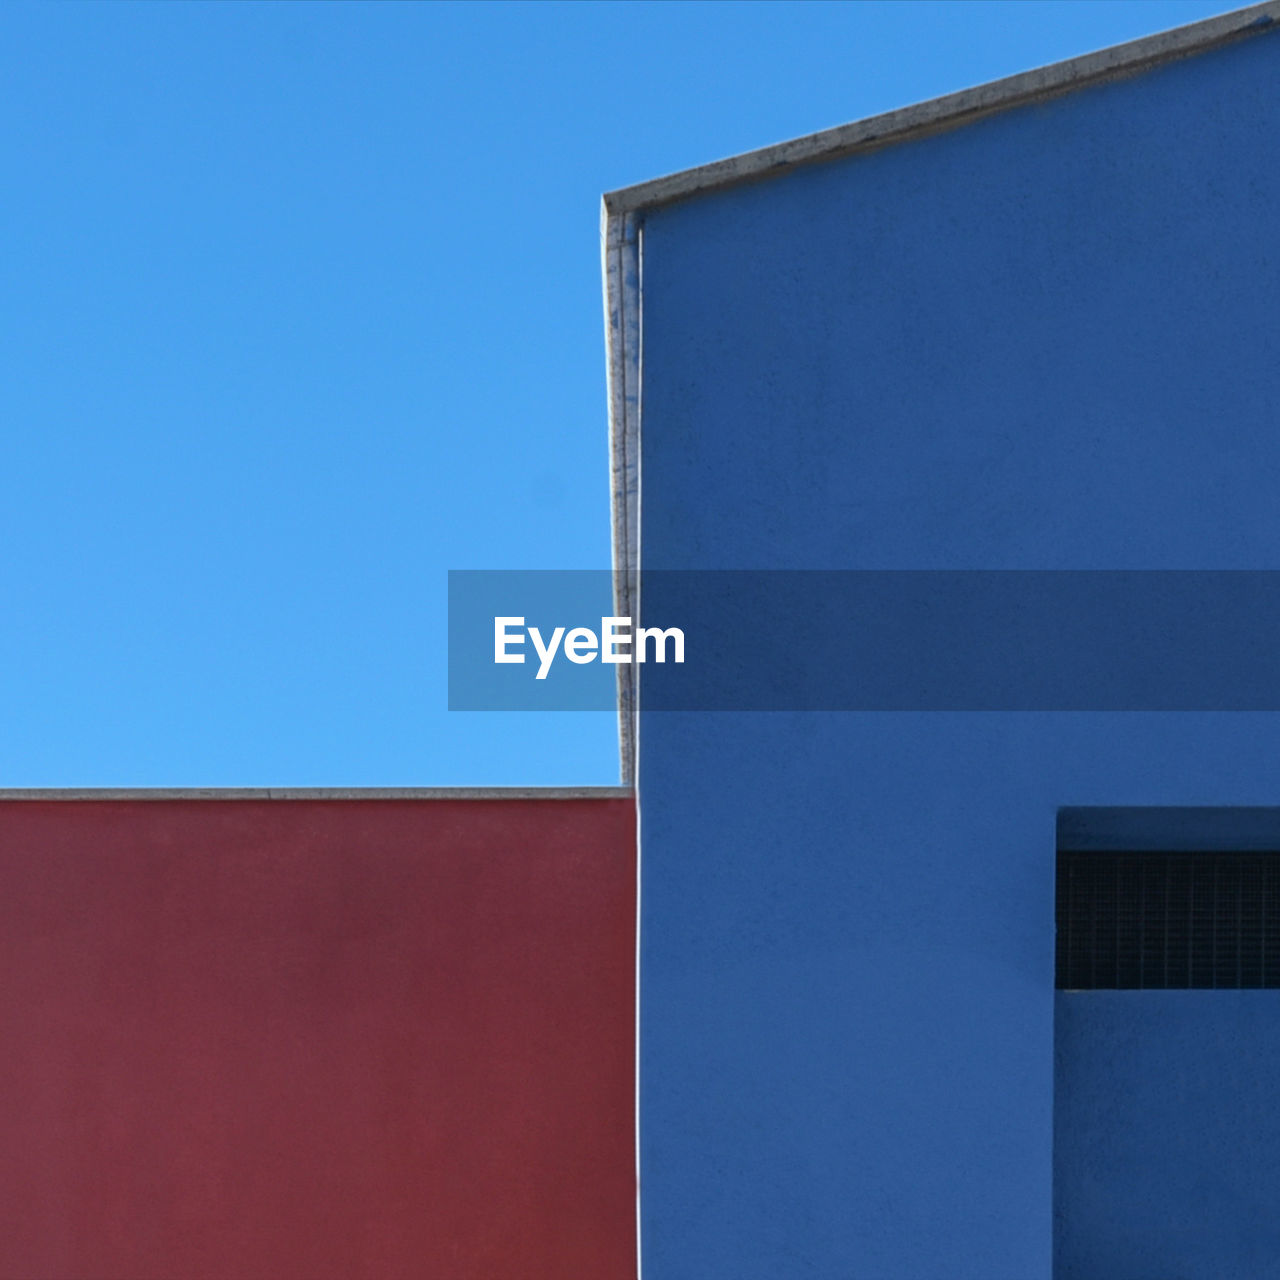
302,309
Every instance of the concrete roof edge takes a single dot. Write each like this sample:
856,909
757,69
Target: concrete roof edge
620,246
315,793
949,111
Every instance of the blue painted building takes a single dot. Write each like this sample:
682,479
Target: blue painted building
1032,326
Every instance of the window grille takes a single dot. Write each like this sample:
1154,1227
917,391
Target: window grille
1130,920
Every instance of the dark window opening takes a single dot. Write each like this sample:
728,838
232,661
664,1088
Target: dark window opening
1141,920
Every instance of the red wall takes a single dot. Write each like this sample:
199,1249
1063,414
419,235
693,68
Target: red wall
303,1040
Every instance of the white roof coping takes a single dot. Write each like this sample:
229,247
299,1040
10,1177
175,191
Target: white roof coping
950,110
315,793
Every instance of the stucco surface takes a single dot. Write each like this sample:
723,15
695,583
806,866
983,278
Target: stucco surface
1045,340
1167,1135
316,1039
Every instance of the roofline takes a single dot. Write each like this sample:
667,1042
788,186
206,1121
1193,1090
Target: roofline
315,793
620,251
950,110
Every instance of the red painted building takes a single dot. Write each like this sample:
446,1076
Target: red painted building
317,1035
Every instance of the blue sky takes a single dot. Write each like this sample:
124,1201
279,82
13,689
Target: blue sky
303,309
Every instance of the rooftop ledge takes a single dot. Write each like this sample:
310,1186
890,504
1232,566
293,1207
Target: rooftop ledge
949,111
315,793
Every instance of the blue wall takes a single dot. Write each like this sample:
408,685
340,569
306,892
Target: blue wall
1044,340
1167,1135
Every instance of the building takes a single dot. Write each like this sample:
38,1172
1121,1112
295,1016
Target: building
1029,327
316,1035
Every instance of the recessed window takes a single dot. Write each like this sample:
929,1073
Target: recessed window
1151,919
